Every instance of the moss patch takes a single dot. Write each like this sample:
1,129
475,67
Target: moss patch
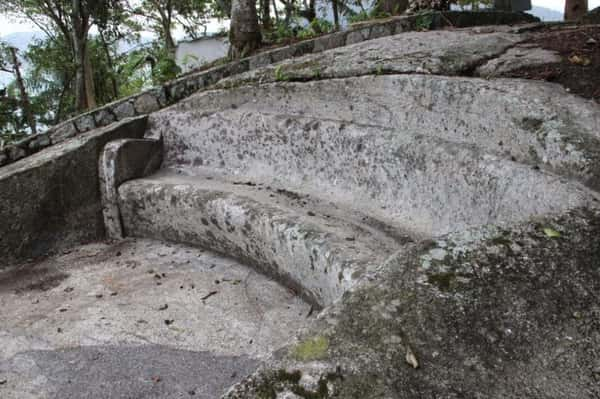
311,349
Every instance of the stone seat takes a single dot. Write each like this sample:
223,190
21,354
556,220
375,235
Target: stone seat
314,246
319,196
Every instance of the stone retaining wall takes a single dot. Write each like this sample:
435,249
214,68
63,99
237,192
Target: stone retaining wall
52,201
171,92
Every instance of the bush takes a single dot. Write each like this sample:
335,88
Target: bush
367,16
283,32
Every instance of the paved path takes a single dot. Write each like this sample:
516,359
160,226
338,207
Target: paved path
139,319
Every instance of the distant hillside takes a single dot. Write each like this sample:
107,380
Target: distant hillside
546,14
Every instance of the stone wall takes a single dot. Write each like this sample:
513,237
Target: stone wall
52,200
170,93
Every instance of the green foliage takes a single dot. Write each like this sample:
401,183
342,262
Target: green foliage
189,60
424,22
50,80
165,68
367,16
282,32
280,75
162,16
13,126
320,26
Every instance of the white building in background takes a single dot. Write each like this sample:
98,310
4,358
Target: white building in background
191,54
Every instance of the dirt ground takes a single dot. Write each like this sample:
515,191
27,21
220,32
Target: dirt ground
579,70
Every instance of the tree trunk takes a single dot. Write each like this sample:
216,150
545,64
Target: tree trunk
244,33
392,7
85,96
61,100
575,9
80,97
169,41
275,11
312,9
109,61
336,14
309,11
25,104
265,7
289,10
90,87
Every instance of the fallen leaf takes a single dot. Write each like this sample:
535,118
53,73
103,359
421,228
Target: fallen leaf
551,233
580,60
411,358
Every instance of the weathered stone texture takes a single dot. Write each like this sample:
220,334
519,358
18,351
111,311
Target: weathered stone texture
104,117
146,103
515,58
62,132
51,200
123,110
435,52
481,313
84,123
122,160
533,123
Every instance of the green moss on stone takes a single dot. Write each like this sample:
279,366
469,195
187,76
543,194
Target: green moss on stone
311,349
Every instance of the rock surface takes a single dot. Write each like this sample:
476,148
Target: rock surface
515,58
491,312
435,52
51,200
137,319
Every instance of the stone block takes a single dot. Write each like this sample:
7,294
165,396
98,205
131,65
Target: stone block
357,36
259,60
103,117
146,102
123,110
84,123
15,153
330,41
305,47
283,53
62,132
39,142
381,30
176,90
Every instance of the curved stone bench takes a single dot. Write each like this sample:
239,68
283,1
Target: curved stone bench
310,245
394,152
319,196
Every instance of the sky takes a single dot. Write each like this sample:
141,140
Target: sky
8,25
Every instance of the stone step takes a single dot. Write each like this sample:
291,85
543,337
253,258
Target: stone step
313,246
